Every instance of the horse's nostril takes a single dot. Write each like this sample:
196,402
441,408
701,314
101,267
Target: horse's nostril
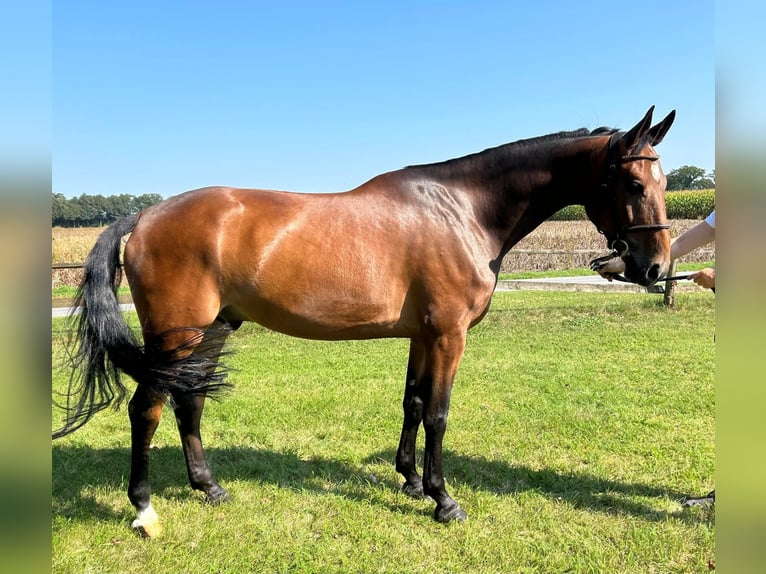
653,273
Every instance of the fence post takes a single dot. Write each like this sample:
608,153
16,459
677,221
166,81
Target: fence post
668,298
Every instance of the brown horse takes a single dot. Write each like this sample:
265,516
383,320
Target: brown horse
412,253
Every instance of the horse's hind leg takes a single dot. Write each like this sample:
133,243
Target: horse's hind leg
144,411
188,410
413,415
173,351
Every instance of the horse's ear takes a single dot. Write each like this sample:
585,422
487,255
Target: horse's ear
632,136
658,132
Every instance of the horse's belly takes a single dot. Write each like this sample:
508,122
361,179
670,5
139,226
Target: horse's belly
318,312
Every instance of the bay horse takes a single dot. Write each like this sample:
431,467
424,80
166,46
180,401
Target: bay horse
413,253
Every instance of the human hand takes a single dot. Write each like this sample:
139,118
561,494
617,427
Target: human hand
610,268
704,278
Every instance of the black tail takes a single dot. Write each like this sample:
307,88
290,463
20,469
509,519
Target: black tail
103,344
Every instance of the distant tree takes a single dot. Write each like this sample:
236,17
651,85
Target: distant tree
92,210
59,209
96,210
689,177
146,200
119,206
77,213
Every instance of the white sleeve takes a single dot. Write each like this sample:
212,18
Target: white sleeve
710,219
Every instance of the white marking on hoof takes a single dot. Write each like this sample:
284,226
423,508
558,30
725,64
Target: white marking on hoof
147,523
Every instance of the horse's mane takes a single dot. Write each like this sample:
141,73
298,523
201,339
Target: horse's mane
520,147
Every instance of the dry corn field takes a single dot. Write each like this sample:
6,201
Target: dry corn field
579,239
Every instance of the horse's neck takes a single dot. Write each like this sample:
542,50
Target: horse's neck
515,188
535,192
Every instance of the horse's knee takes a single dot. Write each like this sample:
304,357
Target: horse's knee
436,423
413,409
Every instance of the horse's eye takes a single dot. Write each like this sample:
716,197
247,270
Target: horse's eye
636,187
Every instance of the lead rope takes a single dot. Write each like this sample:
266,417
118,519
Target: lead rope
618,277
598,263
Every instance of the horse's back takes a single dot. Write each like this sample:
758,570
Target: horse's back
310,265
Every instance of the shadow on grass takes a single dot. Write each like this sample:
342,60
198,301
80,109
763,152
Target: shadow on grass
77,470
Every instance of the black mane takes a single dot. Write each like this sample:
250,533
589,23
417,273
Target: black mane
518,147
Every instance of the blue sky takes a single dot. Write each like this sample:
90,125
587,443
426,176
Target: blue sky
162,97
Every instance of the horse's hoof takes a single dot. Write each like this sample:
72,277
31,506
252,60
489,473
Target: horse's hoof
148,530
413,490
218,496
450,514
703,502
147,523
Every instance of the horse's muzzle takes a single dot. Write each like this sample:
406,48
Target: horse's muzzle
644,275
653,273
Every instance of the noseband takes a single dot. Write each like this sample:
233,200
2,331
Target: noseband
618,245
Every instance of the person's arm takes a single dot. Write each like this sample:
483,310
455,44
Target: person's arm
694,237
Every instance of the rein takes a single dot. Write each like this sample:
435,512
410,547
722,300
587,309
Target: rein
618,277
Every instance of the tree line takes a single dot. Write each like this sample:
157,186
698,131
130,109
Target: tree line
97,210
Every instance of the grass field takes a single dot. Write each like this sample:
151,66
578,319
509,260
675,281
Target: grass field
578,422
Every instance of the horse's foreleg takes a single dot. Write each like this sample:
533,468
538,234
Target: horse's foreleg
444,359
413,415
144,410
188,411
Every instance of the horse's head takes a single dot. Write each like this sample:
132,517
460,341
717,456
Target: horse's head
629,207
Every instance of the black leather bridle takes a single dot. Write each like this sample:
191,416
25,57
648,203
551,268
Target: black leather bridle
618,245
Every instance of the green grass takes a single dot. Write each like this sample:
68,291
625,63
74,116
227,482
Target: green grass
578,421
69,291
63,291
